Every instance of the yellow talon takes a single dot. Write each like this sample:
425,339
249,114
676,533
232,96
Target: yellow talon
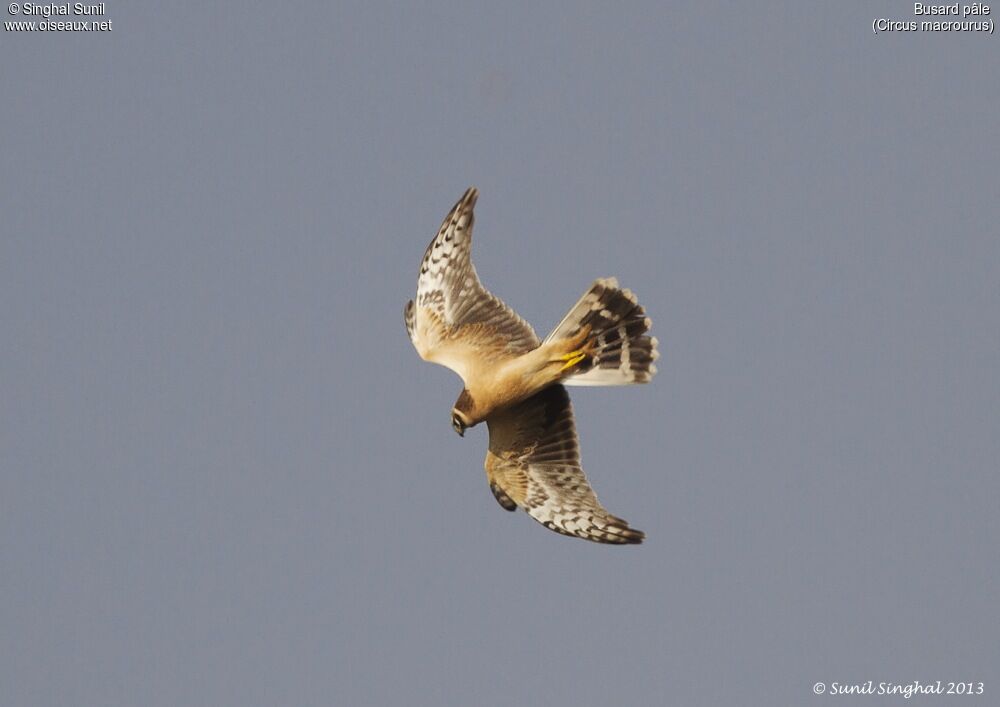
571,359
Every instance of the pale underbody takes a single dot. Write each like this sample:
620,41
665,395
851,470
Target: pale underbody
494,377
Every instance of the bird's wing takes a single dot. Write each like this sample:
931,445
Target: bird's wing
454,318
534,461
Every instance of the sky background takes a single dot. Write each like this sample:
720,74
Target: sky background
227,479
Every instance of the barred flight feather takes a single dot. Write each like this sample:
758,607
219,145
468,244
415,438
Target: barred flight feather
622,353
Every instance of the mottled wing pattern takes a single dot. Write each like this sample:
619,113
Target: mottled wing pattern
534,460
452,309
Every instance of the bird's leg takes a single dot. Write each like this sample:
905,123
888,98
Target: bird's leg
571,359
577,352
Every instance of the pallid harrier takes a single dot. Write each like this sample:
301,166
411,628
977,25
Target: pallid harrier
516,383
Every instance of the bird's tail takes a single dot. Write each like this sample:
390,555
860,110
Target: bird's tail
619,351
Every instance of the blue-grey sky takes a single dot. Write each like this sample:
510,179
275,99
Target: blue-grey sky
227,479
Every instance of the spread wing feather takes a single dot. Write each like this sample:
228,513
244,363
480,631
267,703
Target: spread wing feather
534,459
452,306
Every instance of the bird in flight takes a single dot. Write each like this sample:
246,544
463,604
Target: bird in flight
516,383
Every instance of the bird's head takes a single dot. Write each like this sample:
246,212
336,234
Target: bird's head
458,423
461,414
